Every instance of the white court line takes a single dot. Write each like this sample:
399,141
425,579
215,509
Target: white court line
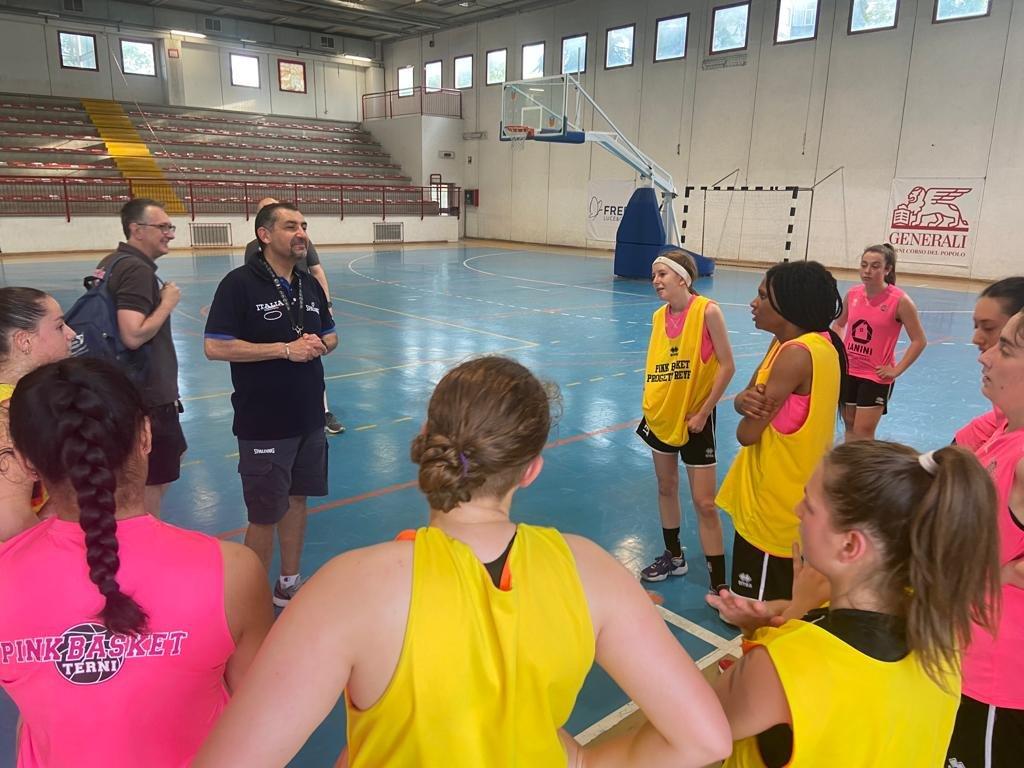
692,628
614,718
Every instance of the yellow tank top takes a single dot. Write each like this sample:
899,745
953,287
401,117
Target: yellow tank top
852,711
39,494
485,676
766,480
676,380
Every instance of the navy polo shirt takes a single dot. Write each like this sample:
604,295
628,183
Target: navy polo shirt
273,399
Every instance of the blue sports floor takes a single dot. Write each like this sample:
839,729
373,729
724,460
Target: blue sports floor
405,315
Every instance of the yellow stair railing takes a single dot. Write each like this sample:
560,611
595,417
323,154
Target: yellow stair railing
130,153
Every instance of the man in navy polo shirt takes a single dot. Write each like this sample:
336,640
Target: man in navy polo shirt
272,323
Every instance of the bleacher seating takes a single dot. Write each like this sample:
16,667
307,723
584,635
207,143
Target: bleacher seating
217,162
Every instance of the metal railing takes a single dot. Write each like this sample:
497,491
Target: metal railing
68,196
440,102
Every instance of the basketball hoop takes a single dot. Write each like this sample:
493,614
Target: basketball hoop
518,134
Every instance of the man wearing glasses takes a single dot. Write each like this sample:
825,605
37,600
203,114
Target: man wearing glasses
144,307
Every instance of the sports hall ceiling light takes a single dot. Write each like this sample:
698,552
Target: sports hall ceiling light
353,57
182,33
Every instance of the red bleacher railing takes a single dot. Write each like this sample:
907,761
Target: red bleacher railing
439,102
69,196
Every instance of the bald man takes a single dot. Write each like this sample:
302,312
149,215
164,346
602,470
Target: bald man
310,264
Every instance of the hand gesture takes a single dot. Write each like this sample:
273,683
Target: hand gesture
742,612
170,295
887,371
695,422
306,348
754,403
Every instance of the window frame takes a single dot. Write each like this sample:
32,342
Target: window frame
711,37
455,79
231,67
487,67
849,22
138,40
686,38
398,83
937,20
440,68
817,21
586,52
632,48
543,60
95,51
305,86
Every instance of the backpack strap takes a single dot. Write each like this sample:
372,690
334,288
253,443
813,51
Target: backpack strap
121,257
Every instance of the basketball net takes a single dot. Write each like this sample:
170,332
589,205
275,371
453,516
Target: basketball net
518,136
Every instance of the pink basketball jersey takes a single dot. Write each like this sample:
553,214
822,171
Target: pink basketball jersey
90,698
871,331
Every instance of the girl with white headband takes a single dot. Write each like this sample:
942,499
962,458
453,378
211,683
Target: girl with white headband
689,365
989,729
906,546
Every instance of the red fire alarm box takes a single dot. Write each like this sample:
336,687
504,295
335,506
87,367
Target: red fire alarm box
472,197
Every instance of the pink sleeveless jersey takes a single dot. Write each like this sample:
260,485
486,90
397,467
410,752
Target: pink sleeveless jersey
993,668
871,331
91,699
974,434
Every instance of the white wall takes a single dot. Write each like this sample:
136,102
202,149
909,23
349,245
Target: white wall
102,233
417,142
921,100
199,77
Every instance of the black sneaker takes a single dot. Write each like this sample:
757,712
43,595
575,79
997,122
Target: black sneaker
332,425
664,566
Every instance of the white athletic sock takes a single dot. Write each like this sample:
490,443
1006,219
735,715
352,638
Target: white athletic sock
288,581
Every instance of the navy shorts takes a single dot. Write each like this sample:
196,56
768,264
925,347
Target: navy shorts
273,470
699,450
168,444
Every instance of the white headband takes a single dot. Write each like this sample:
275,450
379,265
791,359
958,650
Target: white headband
928,463
676,267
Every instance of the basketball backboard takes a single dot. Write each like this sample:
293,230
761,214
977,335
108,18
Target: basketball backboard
542,106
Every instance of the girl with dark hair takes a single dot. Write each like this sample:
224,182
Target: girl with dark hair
689,365
128,661
32,333
995,306
873,314
465,643
907,546
989,729
789,416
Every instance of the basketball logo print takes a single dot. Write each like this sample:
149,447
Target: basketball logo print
85,656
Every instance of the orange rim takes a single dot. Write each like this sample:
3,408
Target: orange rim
520,131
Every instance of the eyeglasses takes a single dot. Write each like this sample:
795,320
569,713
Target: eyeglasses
167,229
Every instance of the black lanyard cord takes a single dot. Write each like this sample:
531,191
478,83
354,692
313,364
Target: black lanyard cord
298,324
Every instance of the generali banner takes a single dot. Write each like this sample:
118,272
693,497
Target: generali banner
935,221
606,202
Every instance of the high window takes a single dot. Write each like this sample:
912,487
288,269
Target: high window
77,51
670,38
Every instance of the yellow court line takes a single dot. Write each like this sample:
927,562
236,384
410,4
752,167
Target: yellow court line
404,418
230,455
366,426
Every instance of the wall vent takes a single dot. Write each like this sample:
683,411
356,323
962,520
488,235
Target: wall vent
388,232
326,42
74,6
207,235
212,25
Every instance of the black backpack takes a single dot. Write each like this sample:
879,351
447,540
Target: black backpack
94,319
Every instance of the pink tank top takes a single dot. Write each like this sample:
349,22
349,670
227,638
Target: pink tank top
674,326
793,413
91,699
871,331
974,434
993,668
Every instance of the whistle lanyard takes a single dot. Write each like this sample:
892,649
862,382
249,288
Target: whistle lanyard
298,324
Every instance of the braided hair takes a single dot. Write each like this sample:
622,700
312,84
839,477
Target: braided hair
807,295
78,420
